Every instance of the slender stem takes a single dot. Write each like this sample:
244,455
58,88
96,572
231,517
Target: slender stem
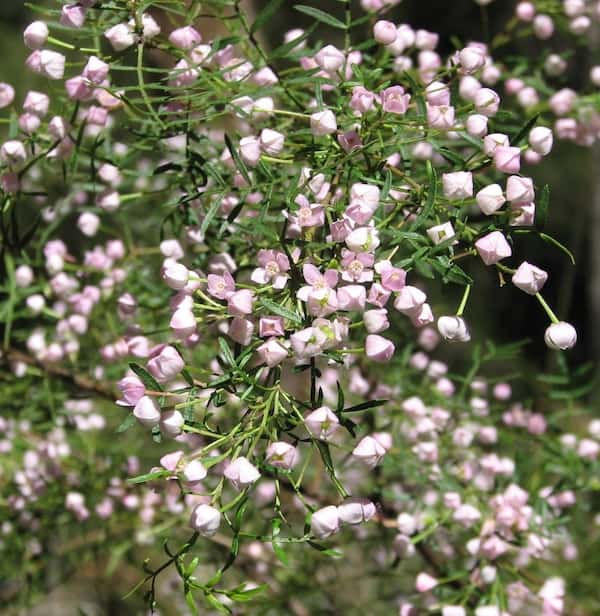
547,308
140,76
463,301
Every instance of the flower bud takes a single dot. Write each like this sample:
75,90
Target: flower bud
458,185
35,35
205,520
529,278
493,247
176,275
272,352
560,336
378,348
325,522
453,328
186,37
385,32
330,58
171,423
356,510
183,323
72,15
241,473
541,140
120,37
147,411
282,455
321,423
165,364
323,123
519,190
425,582
369,451
271,141
490,199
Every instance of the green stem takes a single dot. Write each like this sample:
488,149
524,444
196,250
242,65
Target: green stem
547,309
463,301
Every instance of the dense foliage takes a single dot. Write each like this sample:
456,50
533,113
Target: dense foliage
262,254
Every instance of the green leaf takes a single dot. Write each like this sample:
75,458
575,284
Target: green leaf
265,15
239,163
148,476
321,16
427,209
212,210
127,423
524,131
280,310
363,406
147,379
226,352
246,595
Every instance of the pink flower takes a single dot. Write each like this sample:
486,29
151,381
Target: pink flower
282,455
186,37
385,32
493,247
351,297
487,102
221,286
441,117
317,283
241,303
132,389
165,363
507,159
323,123
95,70
183,323
35,35
120,36
322,423
72,15
425,582
409,300
529,278
7,95
308,342
270,326
376,320
378,348
330,58
309,214
273,266
241,330
519,190
357,266
272,352
392,278
362,100
471,58
395,100
458,185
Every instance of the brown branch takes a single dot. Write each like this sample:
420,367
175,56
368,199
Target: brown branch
52,370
